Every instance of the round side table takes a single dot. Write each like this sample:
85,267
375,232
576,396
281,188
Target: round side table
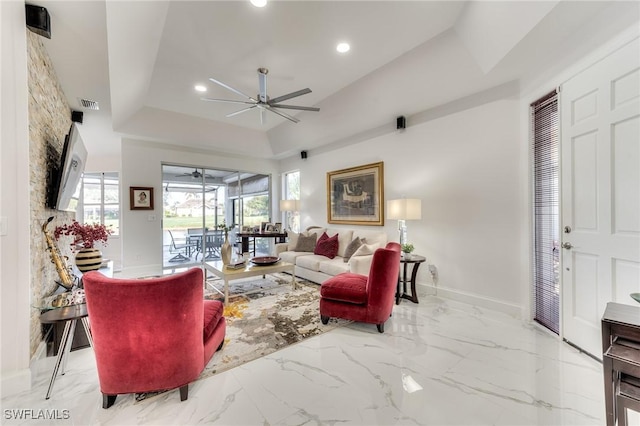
69,315
401,293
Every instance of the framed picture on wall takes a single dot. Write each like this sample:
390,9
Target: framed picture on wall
355,195
141,197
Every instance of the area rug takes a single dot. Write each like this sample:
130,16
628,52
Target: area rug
269,317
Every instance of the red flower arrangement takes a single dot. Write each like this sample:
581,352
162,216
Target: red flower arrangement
84,235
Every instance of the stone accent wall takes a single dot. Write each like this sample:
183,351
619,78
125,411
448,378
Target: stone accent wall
49,122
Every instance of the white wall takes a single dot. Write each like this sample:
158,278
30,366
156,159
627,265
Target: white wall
468,171
14,200
142,166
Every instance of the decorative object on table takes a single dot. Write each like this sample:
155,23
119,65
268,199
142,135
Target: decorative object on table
265,260
226,248
354,195
88,258
407,248
404,209
68,298
67,279
141,197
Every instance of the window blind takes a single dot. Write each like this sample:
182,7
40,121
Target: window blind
546,206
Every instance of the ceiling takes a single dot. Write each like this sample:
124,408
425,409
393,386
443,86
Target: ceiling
140,60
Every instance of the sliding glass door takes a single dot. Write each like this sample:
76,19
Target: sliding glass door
198,200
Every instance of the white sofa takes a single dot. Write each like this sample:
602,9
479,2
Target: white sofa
318,268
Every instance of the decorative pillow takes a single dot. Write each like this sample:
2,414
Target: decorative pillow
366,250
327,246
293,239
351,248
306,243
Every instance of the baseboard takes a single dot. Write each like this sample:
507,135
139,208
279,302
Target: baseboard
510,309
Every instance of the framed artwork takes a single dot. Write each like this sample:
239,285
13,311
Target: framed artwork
141,197
278,227
355,196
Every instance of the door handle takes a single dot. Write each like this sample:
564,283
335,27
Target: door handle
567,246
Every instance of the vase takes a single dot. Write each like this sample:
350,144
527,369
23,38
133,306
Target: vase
88,259
225,250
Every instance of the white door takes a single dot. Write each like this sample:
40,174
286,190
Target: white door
600,143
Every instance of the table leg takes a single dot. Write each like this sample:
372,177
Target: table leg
67,350
414,275
61,353
294,284
398,291
87,330
226,291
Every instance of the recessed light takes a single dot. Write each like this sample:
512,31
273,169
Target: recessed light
343,47
259,3
200,88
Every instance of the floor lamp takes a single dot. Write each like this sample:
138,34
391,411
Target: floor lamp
289,206
402,210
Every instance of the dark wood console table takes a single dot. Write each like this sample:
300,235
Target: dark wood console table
621,361
280,237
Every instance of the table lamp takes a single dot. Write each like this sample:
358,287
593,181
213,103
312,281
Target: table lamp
289,206
402,210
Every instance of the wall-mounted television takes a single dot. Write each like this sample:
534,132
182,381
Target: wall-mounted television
64,180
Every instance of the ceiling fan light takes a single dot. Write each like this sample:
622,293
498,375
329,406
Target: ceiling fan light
343,47
200,88
259,3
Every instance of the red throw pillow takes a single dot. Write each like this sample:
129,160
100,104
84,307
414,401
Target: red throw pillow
327,246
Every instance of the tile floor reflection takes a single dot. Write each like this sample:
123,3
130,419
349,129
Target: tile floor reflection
438,363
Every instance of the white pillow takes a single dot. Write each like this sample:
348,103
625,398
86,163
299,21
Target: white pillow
293,239
366,250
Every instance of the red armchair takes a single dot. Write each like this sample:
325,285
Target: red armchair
151,334
360,298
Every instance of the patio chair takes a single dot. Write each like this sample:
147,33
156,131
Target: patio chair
183,250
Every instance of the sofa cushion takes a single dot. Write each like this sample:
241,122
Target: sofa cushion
334,266
306,243
344,238
351,248
291,256
372,237
310,261
366,250
213,310
327,246
345,287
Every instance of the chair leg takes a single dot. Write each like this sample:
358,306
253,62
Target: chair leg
324,319
380,327
108,400
184,392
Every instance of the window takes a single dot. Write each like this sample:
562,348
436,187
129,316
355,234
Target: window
100,200
546,213
292,192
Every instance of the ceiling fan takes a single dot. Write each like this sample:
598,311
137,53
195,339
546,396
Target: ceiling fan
264,102
195,174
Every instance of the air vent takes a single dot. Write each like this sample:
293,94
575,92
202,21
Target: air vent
89,104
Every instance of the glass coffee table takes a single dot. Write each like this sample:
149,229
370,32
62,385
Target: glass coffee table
250,269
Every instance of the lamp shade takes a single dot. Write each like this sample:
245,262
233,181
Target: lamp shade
289,205
404,209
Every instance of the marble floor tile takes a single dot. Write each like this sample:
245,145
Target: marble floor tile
439,362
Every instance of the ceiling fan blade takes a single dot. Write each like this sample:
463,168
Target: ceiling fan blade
290,95
301,108
232,89
282,114
241,111
227,100
262,84
263,116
